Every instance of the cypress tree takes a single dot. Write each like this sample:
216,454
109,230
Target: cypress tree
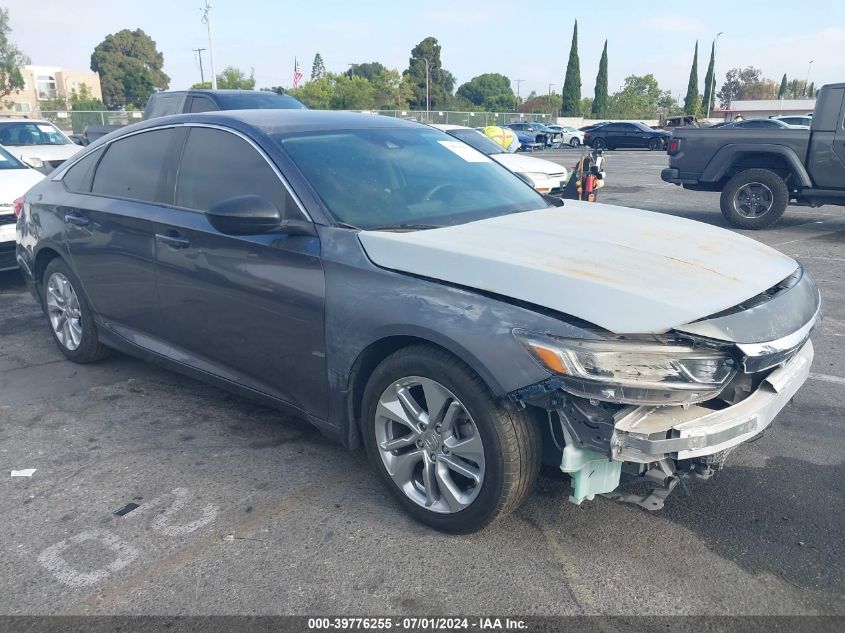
811,91
691,100
599,106
571,93
783,86
709,100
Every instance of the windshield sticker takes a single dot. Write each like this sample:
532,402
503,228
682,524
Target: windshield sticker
463,150
47,129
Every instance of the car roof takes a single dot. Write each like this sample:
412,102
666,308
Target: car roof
284,121
449,126
39,121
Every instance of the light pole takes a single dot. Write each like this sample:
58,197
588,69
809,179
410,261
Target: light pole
199,51
713,78
550,98
807,80
518,82
206,17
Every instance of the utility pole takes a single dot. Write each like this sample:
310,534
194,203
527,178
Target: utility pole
550,98
518,82
713,80
206,17
199,51
807,80
427,87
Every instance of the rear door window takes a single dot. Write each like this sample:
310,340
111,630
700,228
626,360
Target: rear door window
217,165
78,178
133,167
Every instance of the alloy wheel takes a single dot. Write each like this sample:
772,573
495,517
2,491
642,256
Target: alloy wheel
753,200
429,444
64,311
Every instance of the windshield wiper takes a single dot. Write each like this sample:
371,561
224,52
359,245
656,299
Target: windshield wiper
404,227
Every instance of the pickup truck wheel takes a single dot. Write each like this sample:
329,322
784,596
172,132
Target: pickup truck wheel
754,199
453,457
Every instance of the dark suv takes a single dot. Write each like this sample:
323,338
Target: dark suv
185,101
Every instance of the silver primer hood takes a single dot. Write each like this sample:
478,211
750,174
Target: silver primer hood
625,270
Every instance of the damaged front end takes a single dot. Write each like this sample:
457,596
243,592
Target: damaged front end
664,407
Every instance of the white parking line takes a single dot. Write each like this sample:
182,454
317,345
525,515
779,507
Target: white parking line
836,380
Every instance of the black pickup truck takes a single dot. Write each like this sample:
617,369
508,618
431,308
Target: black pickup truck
759,172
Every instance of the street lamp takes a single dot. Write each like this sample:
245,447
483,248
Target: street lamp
807,80
550,97
206,17
713,78
427,88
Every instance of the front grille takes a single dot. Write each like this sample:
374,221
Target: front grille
7,219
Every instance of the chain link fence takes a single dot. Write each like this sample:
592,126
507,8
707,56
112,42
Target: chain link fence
75,121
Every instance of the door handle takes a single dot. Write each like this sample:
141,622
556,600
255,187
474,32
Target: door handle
76,220
173,241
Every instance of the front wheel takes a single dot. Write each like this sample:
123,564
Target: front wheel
754,199
574,141
453,457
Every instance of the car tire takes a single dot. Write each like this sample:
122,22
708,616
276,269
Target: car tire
574,142
478,462
655,144
754,199
69,315
599,143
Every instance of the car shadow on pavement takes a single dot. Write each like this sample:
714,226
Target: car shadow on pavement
784,519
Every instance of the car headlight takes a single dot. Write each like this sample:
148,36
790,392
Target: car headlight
533,176
32,161
643,371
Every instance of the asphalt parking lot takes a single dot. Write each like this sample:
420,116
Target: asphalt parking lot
244,511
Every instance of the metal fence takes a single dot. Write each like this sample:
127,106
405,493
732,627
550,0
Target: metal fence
75,121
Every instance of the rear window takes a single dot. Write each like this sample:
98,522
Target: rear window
78,178
133,167
258,100
164,104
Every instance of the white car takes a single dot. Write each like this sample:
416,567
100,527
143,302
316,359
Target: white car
568,135
545,176
796,120
15,180
39,144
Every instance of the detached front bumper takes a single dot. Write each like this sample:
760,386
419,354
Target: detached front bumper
648,434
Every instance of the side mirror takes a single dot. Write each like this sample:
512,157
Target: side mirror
245,215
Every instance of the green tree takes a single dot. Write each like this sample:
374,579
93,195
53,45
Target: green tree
571,93
811,91
11,59
441,81
351,93
384,81
748,83
84,99
231,78
316,94
641,98
691,102
599,104
708,102
491,91
784,86
130,68
318,68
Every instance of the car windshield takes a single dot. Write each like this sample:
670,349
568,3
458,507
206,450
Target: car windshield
7,161
477,140
405,179
17,134
258,100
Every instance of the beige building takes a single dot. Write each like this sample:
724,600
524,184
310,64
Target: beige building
49,82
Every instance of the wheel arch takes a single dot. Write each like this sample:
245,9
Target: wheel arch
379,349
42,259
732,159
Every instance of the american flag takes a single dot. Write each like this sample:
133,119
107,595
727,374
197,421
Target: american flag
297,73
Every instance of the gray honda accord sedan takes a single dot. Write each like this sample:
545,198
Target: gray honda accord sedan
404,292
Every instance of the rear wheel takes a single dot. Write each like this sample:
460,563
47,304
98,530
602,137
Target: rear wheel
69,315
453,457
574,141
655,144
754,199
599,143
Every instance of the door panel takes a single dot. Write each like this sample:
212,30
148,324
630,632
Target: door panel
250,305
827,143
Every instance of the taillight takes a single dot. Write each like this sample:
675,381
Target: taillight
586,134
674,146
17,207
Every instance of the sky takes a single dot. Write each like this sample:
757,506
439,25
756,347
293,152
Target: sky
526,40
